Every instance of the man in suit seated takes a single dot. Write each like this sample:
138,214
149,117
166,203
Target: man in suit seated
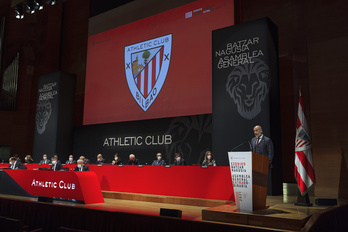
44,160
16,156
100,159
56,166
85,161
80,166
71,160
16,164
133,160
158,161
58,161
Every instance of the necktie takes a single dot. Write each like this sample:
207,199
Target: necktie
257,142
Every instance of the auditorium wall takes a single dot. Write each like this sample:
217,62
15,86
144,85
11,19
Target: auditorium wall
312,53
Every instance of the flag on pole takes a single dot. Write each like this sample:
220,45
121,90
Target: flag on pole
304,169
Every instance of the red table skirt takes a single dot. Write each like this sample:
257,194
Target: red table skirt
181,181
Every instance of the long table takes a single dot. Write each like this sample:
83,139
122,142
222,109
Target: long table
182,181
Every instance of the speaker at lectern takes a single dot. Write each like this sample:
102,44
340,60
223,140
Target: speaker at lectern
249,173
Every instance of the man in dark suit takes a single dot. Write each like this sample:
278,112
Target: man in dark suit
44,160
16,164
80,166
70,160
133,160
100,159
56,166
85,160
16,156
262,145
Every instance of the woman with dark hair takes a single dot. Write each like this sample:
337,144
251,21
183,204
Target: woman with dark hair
116,160
208,160
178,160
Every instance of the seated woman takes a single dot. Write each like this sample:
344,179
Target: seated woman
116,160
178,160
158,161
208,160
28,159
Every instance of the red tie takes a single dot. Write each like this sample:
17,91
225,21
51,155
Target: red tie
257,142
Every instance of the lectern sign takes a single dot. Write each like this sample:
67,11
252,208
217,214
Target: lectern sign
241,171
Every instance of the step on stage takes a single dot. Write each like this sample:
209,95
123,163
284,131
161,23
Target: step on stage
141,212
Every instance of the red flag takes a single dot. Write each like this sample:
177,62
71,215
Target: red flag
304,169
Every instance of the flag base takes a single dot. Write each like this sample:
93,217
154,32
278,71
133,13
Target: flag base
303,200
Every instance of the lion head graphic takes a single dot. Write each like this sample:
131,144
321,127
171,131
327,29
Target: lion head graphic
248,86
43,113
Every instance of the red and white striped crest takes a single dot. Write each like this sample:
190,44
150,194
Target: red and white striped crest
146,66
304,169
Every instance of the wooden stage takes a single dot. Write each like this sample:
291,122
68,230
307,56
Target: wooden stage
144,210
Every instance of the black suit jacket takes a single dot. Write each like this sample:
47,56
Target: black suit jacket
70,162
17,165
135,162
100,162
265,147
181,162
58,166
45,162
118,162
84,168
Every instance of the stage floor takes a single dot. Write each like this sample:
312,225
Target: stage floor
281,215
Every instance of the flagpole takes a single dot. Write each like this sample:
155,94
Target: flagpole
304,172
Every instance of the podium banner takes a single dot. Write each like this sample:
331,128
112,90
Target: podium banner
54,115
241,172
245,85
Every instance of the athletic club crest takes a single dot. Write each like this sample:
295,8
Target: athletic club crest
146,65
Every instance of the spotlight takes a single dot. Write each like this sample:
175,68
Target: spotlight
19,11
52,2
38,4
29,8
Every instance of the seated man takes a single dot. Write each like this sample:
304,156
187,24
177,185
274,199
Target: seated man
71,160
158,160
16,156
133,160
15,164
100,159
55,165
80,166
44,160
58,161
85,161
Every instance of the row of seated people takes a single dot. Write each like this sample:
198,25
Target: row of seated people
16,163
57,165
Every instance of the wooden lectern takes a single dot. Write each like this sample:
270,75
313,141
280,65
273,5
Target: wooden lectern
260,165
249,176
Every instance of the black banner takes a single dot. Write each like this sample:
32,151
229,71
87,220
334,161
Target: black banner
245,85
54,115
190,136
